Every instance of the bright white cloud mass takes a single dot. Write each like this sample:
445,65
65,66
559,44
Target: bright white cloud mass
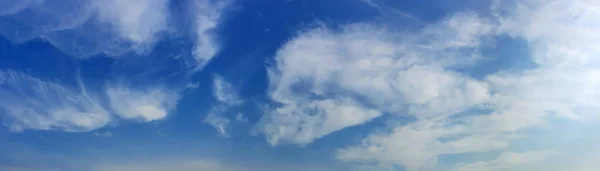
361,94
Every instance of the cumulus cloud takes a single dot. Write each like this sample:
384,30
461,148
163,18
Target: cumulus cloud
89,27
30,103
140,104
376,71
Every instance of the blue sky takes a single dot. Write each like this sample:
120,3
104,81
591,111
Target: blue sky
332,85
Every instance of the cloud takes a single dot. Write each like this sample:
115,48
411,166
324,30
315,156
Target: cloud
304,122
31,103
416,146
563,86
88,27
84,28
228,103
509,160
207,13
539,22
326,80
151,104
224,91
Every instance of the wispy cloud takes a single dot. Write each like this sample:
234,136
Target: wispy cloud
208,14
31,103
228,101
88,27
85,28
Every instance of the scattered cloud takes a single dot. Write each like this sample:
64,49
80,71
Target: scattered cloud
563,85
328,79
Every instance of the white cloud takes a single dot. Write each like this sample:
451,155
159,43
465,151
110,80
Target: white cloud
301,123
85,28
31,103
510,160
564,85
224,91
539,21
141,104
417,145
390,71
135,20
227,100
208,14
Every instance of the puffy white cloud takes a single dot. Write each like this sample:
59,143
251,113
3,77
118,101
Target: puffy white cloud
325,79
510,160
143,105
31,103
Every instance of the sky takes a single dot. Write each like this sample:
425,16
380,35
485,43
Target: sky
323,85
